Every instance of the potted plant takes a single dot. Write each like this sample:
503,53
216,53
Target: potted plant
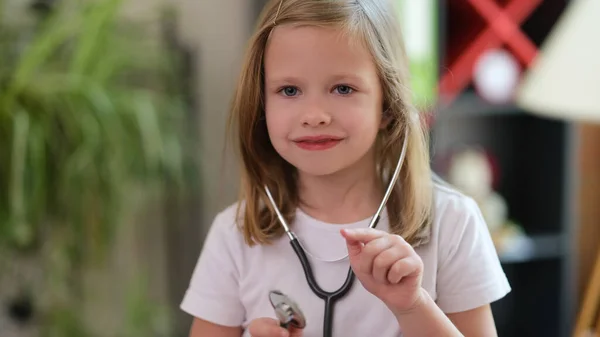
91,116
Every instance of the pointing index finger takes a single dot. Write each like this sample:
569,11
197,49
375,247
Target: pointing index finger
364,235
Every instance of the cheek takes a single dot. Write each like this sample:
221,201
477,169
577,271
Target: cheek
363,121
277,126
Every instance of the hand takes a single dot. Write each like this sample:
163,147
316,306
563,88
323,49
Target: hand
269,327
387,266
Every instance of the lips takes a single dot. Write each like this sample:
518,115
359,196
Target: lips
317,143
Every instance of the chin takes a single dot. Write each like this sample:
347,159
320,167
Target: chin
318,170
319,167
323,164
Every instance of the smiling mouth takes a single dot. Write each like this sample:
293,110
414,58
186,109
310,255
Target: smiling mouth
317,143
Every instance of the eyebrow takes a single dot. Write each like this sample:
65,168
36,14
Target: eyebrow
349,77
282,79
334,78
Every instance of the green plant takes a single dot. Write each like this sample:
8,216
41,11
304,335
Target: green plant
91,113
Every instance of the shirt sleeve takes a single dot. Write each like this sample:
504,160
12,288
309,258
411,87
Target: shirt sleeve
469,274
213,292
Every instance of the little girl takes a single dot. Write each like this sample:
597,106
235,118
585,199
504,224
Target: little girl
320,115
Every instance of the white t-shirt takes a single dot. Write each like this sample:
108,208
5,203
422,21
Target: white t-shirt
231,281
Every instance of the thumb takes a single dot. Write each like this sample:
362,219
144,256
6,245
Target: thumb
295,332
354,246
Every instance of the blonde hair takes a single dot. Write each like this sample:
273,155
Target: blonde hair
375,23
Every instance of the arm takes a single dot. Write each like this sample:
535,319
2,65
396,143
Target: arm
202,328
389,268
428,319
478,322
213,297
469,274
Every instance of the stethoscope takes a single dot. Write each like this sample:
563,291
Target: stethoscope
286,309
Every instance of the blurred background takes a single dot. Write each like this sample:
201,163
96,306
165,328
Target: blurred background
112,162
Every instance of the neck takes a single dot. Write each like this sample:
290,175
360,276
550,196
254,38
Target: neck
347,196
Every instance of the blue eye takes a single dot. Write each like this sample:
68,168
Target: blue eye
289,91
344,89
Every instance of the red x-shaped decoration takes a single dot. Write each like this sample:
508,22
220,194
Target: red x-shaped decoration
503,27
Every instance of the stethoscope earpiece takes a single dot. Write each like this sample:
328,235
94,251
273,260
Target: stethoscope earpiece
287,311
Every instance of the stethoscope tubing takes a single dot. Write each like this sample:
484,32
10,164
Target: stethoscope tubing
331,297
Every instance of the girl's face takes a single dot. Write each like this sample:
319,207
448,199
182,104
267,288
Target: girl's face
323,99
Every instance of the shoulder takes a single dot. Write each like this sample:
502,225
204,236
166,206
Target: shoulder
457,218
450,204
212,293
224,231
468,271
229,218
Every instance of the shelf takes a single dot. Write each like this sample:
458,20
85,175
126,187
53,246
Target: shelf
530,154
538,247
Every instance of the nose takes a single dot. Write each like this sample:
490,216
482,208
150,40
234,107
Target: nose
316,116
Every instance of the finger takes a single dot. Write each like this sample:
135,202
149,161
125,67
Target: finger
370,251
364,235
266,327
383,262
404,268
354,247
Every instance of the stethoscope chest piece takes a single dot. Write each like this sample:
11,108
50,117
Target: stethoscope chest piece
286,310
